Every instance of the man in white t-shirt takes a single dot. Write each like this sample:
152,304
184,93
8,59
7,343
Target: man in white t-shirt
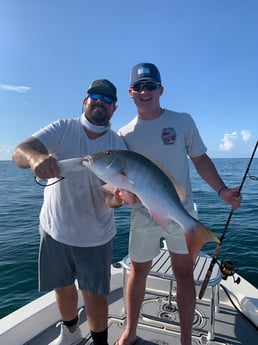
169,138
76,225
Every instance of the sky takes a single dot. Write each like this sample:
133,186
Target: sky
206,51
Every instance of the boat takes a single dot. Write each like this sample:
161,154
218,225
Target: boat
227,313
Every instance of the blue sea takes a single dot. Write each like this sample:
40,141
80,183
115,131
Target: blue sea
21,199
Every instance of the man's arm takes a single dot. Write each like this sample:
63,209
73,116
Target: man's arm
207,170
33,154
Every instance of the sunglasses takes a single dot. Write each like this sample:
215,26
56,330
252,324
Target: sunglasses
149,85
105,99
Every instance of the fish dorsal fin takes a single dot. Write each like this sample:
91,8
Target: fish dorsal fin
178,187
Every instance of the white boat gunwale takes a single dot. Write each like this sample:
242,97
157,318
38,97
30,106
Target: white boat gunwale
35,319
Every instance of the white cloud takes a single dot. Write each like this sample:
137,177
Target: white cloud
246,134
15,88
229,141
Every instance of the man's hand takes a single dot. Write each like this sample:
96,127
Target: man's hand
127,197
44,166
119,197
231,196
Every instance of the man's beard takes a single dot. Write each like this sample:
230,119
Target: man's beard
98,116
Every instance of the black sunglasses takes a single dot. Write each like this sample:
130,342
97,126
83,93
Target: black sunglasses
149,85
105,99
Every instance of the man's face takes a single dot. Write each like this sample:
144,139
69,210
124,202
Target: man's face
146,95
98,110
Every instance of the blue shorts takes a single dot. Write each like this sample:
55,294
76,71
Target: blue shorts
60,264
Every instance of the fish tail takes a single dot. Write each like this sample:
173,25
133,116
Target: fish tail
197,237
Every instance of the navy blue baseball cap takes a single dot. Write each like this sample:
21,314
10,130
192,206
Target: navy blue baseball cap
144,72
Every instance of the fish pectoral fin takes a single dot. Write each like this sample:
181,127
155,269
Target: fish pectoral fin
197,237
124,177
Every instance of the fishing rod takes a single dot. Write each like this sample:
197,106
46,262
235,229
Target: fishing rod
218,246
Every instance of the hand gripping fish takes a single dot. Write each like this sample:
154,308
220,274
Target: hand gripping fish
157,191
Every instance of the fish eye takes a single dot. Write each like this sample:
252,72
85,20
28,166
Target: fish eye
109,152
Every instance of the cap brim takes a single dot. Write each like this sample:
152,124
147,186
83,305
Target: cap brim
144,79
103,91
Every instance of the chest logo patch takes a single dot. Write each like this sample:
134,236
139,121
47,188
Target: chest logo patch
168,135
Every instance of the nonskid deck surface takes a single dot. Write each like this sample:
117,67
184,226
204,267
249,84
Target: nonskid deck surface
159,323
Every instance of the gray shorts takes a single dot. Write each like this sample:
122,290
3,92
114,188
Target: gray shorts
61,264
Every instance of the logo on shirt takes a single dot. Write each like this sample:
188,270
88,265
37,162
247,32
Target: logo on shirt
168,136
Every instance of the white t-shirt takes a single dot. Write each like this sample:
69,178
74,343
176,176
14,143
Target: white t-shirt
168,139
74,211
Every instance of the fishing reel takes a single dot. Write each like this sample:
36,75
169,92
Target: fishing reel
227,269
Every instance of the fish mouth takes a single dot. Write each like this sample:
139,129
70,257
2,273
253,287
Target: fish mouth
87,160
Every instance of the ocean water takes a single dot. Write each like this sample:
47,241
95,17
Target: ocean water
20,202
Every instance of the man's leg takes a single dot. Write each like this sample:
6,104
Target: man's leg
67,301
97,316
135,291
186,294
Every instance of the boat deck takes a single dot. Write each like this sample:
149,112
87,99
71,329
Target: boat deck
35,323
159,322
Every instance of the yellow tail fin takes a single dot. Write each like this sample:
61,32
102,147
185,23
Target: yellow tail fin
196,238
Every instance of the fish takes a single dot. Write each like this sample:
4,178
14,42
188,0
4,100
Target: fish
65,166
70,165
157,190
